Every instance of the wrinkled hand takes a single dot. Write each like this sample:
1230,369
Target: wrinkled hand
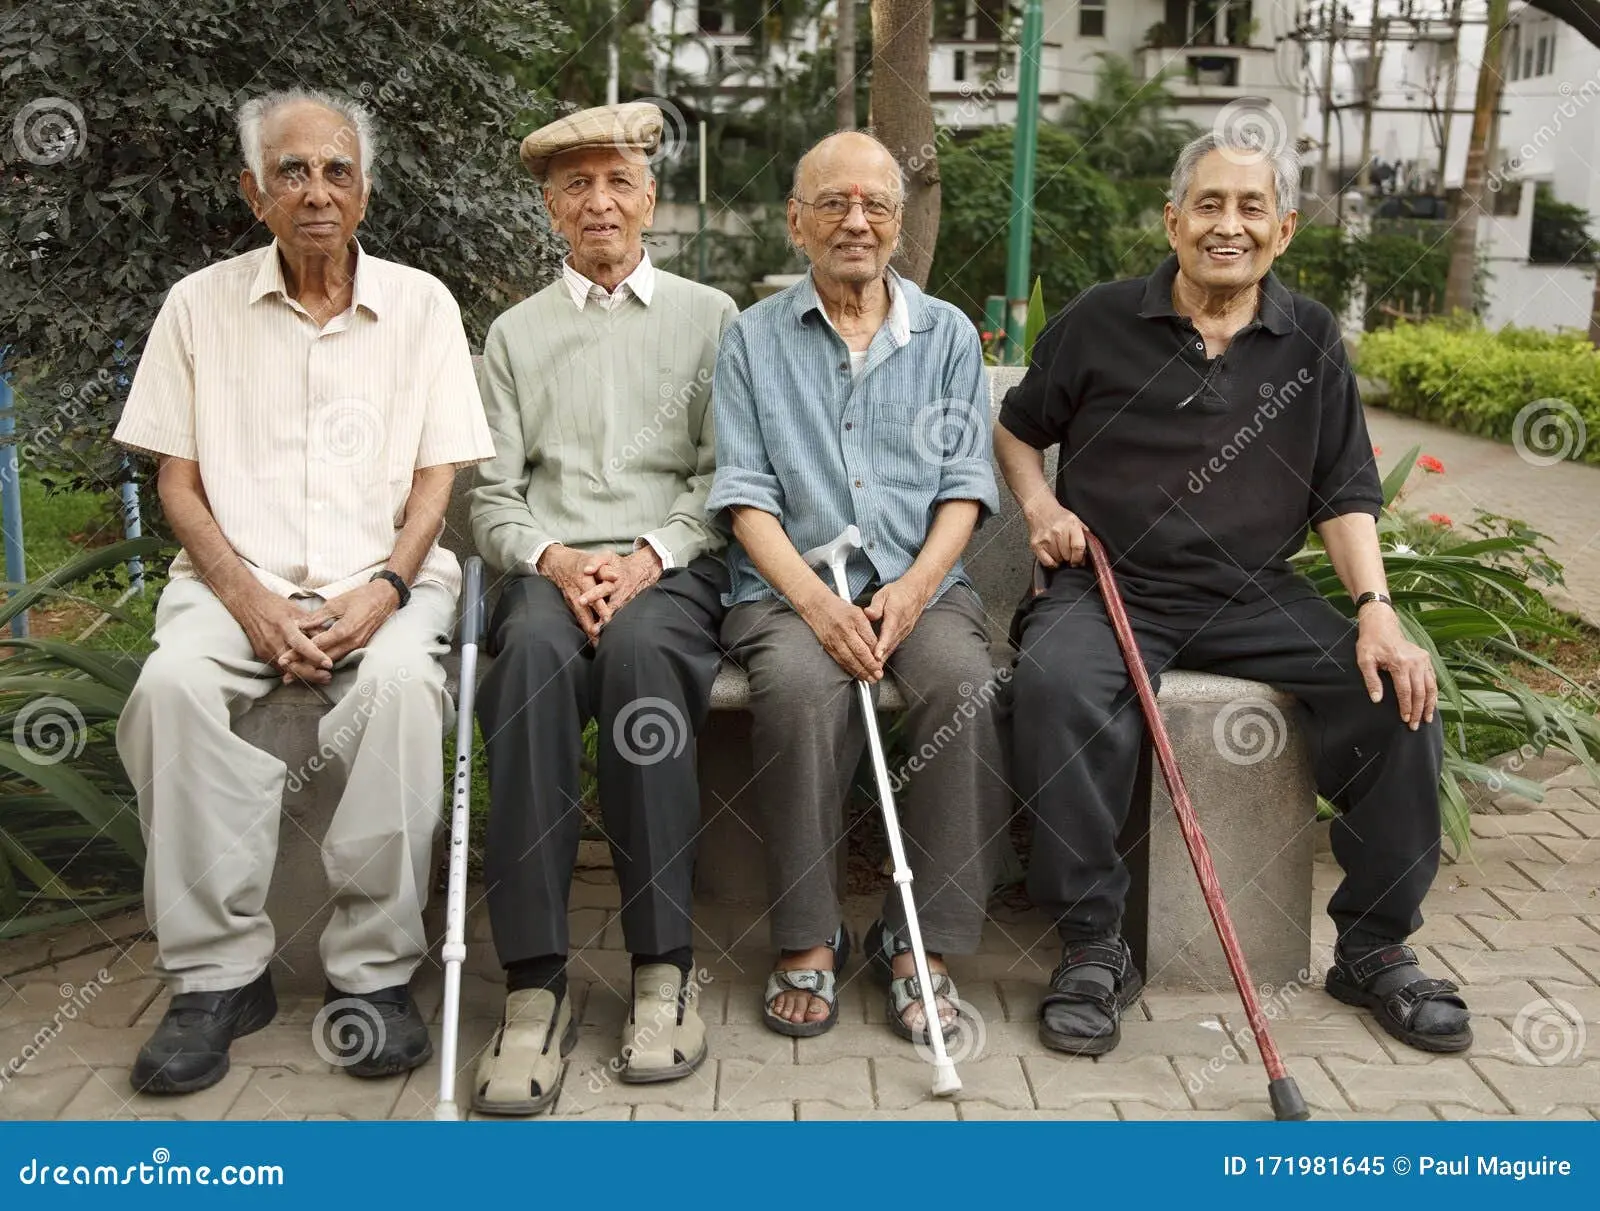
1055,534
348,622
1381,646
618,580
896,608
565,568
846,634
273,624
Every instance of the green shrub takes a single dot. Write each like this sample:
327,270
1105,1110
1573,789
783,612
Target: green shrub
1538,389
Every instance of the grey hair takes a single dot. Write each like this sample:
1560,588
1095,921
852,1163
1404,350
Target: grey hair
900,172
1245,146
253,115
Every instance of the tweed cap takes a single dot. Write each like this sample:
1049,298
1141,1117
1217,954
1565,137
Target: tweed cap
633,127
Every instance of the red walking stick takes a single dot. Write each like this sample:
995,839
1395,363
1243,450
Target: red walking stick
1281,1088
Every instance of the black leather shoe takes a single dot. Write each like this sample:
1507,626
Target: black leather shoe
189,1049
372,1034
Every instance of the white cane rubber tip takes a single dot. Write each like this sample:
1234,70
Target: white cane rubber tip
945,1081
446,1112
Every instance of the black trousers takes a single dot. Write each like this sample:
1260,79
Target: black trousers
648,684
1078,734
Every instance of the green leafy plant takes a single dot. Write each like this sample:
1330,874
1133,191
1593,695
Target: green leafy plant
1472,602
70,844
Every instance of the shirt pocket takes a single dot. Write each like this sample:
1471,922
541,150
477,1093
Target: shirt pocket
902,450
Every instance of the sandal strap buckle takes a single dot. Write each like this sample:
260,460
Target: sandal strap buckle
1375,962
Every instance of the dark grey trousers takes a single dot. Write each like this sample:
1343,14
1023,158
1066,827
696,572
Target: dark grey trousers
808,736
648,684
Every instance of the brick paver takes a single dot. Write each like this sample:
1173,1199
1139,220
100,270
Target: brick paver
1520,929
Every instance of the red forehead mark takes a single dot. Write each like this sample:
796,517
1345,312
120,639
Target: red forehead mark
855,191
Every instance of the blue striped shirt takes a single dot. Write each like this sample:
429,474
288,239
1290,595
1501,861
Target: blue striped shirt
801,439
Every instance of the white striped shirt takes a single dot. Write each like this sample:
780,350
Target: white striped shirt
307,438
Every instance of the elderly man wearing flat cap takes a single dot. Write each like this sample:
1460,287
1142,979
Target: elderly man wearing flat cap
597,391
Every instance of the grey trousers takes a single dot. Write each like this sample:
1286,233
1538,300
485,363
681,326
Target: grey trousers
209,802
808,735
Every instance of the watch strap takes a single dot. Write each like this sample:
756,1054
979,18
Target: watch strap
400,586
1369,597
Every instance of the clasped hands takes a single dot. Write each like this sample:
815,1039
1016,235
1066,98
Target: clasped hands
596,584
304,645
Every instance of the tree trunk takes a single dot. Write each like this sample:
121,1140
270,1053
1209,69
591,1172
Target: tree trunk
902,116
1458,292
844,66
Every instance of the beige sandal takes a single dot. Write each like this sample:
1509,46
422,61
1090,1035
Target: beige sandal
663,1038
520,1071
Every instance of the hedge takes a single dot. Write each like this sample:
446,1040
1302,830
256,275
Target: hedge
1539,390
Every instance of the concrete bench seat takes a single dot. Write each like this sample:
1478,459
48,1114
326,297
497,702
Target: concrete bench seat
1257,810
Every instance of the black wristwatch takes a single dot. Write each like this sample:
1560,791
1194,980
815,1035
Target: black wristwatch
1371,596
400,586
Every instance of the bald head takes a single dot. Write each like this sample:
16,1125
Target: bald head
845,211
838,155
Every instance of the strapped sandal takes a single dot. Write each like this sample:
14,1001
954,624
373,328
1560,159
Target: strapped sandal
520,1071
820,984
1350,981
664,1037
905,991
1066,989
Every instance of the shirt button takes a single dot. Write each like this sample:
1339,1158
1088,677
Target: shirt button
1200,345
872,546
858,483
844,367
849,424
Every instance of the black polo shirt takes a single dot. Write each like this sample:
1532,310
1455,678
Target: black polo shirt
1200,476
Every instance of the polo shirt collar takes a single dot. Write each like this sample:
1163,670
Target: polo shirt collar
641,283
1275,311
366,291
908,308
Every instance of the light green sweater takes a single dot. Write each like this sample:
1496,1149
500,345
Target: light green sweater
602,424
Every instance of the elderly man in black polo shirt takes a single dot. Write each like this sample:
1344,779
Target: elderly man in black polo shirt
1206,417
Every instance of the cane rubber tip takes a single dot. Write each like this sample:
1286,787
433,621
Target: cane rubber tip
446,1112
1287,1104
945,1081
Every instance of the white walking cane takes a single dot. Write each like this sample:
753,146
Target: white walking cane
945,1081
455,913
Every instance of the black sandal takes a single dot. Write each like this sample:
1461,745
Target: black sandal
1350,980
1066,989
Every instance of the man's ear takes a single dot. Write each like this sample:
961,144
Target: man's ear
1286,230
250,190
1169,220
792,221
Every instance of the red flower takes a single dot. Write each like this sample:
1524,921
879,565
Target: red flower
1439,519
1377,451
1431,464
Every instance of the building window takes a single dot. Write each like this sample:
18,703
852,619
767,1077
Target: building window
1540,59
958,72
1092,19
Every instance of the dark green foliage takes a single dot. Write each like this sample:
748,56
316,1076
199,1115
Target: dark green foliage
1560,234
1127,130
144,185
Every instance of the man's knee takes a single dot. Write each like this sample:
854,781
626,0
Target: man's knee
172,678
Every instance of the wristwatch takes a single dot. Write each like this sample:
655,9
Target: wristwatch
1371,596
400,586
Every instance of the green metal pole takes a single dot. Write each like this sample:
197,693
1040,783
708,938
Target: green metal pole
1027,139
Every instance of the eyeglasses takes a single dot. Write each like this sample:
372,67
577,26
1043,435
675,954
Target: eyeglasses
833,207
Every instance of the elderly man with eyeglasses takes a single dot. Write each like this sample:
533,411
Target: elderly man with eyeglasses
854,398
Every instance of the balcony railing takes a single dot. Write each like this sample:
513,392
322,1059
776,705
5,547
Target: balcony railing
1206,72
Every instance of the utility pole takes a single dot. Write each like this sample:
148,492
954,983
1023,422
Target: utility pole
1458,292
844,66
1330,30
1370,100
613,56
1452,65
1020,248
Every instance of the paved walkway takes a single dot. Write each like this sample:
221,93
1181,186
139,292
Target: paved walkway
1561,500
1519,927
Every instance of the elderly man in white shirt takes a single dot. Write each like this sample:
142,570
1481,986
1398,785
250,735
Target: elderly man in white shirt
309,405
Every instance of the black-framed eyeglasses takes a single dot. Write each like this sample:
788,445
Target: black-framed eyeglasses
832,208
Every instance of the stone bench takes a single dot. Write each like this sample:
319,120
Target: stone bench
1255,813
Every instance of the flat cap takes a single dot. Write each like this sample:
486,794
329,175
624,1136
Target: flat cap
631,127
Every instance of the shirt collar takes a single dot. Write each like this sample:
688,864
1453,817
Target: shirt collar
900,321
1275,311
366,291
641,283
